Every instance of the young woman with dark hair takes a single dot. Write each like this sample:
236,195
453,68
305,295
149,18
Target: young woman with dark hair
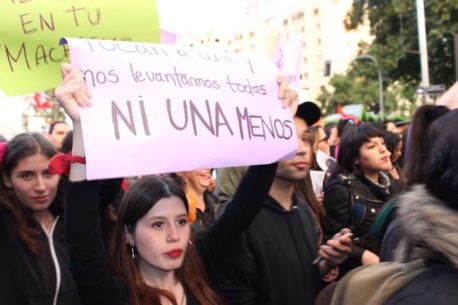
357,190
425,266
33,260
144,206
156,258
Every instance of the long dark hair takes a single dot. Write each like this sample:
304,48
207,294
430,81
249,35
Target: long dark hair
138,200
19,147
417,145
391,141
353,138
440,169
304,187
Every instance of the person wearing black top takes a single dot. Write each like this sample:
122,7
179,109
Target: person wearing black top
272,261
155,258
34,264
357,191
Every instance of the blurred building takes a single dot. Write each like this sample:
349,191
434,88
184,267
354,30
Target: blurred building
328,48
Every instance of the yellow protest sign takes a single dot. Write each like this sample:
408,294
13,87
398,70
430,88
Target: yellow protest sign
30,30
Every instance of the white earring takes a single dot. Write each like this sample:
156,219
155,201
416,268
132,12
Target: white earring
133,252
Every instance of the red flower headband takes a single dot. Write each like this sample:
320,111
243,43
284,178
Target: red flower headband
3,146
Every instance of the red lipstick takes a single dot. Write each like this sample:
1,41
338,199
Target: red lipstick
174,253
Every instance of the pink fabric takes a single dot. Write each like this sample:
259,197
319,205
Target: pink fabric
3,146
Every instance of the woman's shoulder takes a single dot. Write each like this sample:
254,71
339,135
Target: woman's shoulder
436,284
339,182
339,179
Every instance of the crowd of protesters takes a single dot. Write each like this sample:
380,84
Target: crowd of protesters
262,234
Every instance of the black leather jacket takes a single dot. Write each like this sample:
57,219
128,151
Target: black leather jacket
354,202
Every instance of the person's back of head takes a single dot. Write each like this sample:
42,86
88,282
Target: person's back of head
428,211
379,125
345,122
440,169
416,145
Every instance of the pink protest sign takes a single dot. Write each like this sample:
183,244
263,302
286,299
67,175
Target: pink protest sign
168,37
159,108
287,58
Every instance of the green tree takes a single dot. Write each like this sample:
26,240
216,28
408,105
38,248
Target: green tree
349,89
395,46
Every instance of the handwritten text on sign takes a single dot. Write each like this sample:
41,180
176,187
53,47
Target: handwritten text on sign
30,30
161,108
287,58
